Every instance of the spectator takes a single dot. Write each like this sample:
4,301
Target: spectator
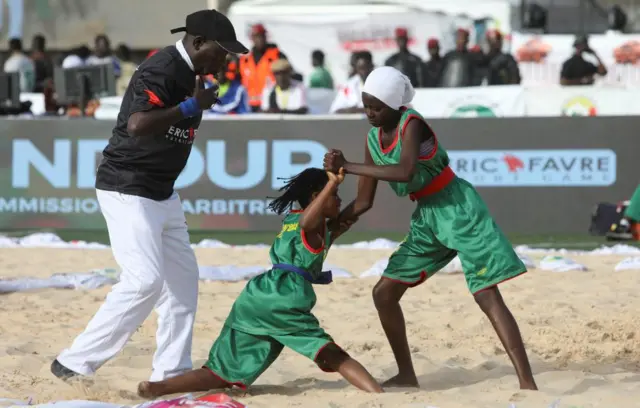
42,62
127,68
433,67
349,96
409,64
255,67
320,77
19,62
77,57
459,67
576,70
288,95
232,96
103,54
502,68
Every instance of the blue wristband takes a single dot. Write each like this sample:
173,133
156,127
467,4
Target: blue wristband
190,107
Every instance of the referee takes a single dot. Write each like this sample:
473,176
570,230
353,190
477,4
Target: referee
157,124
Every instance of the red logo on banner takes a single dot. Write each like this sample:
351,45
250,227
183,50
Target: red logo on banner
513,162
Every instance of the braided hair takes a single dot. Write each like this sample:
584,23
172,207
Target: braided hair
299,188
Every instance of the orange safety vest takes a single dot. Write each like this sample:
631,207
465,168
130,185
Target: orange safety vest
256,76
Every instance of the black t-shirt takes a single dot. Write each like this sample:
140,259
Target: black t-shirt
409,64
577,68
149,166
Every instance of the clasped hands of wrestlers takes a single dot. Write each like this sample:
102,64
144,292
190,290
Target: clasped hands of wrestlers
334,162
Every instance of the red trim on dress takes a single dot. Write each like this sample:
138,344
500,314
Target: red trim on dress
496,284
423,277
231,384
308,246
296,211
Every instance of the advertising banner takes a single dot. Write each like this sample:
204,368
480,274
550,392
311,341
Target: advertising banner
473,102
537,176
581,101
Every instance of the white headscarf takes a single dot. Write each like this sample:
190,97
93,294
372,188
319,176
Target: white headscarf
390,86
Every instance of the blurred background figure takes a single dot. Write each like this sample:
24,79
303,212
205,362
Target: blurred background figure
127,68
320,76
255,67
348,98
502,68
42,62
14,18
288,95
433,67
578,71
102,54
232,96
404,61
19,62
77,57
460,66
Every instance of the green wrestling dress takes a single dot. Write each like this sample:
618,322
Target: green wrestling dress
450,219
273,311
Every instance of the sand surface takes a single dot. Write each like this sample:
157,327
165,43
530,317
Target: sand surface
582,331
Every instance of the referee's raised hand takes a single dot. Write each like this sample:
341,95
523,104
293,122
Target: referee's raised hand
205,97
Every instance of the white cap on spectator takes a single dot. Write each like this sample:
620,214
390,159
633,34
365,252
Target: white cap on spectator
390,86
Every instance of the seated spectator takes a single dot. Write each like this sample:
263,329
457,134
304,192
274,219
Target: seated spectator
502,68
404,61
102,54
42,62
232,96
460,66
288,95
349,96
320,77
576,70
433,67
127,69
77,57
19,62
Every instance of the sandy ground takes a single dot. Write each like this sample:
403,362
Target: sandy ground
582,331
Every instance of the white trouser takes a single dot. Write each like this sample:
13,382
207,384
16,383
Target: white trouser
151,245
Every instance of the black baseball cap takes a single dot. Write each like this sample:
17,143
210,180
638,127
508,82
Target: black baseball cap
213,26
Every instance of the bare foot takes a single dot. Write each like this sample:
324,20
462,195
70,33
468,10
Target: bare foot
401,381
147,390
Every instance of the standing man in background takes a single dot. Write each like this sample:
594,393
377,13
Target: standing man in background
255,68
578,71
433,67
158,122
404,61
502,68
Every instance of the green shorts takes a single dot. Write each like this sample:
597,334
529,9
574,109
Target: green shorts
633,210
239,358
454,221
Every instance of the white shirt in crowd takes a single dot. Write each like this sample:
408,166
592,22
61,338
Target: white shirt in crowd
23,65
349,95
293,98
73,61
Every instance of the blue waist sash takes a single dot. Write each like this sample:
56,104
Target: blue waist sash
324,279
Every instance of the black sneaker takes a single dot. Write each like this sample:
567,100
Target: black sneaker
62,372
620,232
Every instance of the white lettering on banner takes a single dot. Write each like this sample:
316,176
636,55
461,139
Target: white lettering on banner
58,171
536,168
71,205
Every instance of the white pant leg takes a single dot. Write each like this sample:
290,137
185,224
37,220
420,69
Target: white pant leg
135,230
177,305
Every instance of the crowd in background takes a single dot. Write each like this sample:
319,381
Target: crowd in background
265,80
